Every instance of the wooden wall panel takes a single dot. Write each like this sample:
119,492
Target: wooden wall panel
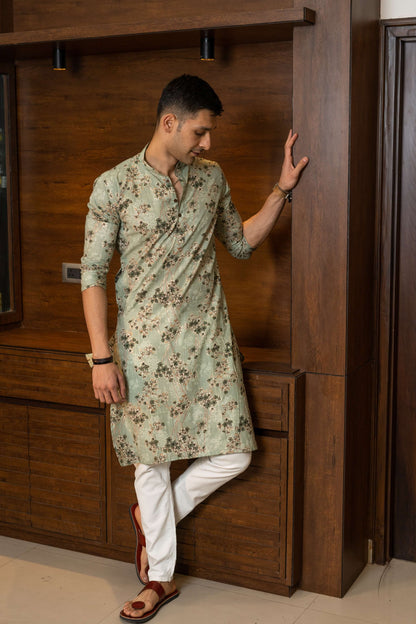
359,414
320,206
334,217
362,199
74,125
30,15
361,328
333,266
324,480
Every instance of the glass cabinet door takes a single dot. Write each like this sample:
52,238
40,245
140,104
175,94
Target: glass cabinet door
10,291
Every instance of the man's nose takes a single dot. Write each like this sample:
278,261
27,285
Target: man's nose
205,142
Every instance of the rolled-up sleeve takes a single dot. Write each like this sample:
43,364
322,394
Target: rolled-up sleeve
229,226
101,231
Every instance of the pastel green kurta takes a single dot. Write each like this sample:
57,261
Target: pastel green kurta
174,341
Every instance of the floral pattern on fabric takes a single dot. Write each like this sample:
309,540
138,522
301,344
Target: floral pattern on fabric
173,341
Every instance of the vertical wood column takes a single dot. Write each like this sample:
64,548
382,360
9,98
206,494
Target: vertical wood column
335,112
319,272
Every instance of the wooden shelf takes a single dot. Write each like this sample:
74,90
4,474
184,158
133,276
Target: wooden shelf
244,27
45,341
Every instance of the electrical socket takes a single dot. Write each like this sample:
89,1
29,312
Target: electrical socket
71,273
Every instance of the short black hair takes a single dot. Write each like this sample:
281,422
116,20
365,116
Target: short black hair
187,95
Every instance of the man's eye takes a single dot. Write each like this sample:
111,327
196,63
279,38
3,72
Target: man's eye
199,134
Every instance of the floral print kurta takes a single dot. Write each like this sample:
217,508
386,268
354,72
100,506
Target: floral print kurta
174,342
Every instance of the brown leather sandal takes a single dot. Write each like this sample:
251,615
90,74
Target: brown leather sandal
138,604
140,542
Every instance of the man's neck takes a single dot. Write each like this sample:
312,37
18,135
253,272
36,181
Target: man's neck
158,158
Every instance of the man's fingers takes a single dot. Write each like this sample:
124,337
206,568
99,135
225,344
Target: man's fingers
301,165
296,171
291,140
122,385
109,385
290,175
109,397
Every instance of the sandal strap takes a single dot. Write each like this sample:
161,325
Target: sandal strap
157,587
138,605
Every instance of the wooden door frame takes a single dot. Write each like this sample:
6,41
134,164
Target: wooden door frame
395,33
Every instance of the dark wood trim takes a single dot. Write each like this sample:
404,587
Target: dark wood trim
394,34
246,26
151,26
400,23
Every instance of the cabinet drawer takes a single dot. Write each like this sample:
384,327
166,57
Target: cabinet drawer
268,397
64,379
66,480
256,498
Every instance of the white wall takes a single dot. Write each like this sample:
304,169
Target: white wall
390,9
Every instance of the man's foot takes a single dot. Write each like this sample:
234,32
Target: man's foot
149,601
142,565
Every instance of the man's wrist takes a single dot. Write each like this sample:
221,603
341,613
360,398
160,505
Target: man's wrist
105,360
104,356
286,195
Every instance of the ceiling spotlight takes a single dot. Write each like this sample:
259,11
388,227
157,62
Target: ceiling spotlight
207,45
59,56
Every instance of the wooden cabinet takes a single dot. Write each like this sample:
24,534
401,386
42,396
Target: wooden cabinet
51,470
60,481
52,456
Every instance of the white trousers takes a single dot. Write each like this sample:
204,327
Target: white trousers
163,505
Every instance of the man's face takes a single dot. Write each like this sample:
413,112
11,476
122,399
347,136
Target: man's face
192,136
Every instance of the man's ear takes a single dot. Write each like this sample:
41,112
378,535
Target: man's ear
168,122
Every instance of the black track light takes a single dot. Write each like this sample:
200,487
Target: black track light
207,45
59,56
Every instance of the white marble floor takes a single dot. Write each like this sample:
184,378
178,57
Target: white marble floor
45,585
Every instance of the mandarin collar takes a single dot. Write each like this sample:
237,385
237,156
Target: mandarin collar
181,169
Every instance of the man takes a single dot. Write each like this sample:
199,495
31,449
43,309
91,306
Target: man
173,374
